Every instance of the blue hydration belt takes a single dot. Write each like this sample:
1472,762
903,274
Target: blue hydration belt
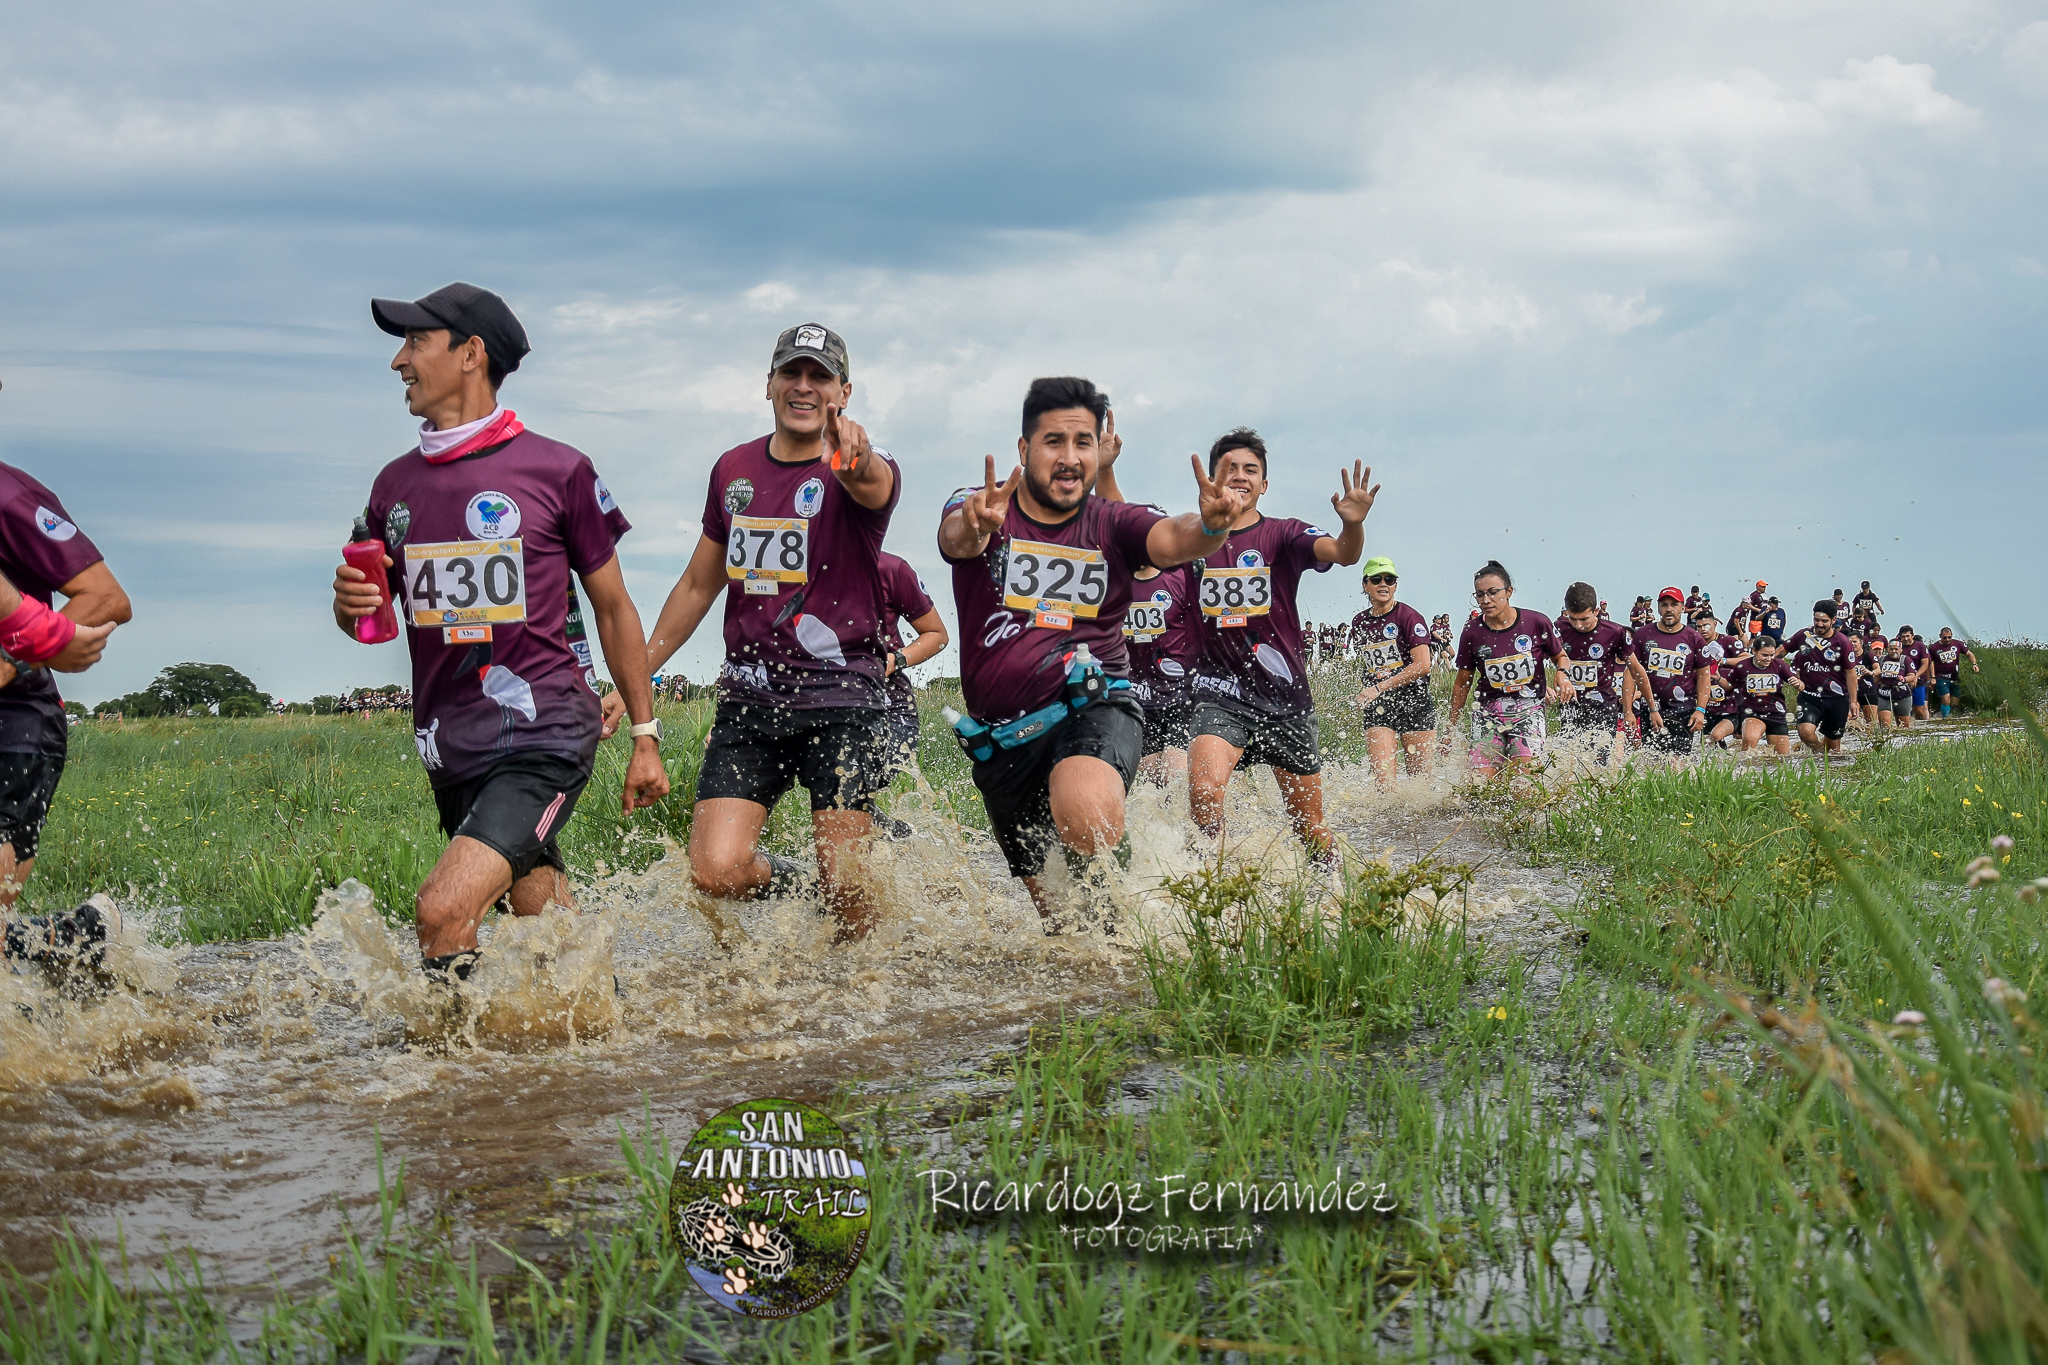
1086,685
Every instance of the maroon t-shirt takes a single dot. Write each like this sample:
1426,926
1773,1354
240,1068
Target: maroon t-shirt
904,598
1596,659
1822,661
1509,663
1252,659
1758,688
474,543
1163,631
1722,652
804,596
1671,658
41,549
1382,643
1915,655
1038,591
1948,657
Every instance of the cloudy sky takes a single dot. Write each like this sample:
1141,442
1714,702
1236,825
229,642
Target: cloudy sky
1638,294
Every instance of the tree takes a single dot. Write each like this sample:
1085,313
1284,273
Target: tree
74,708
245,704
202,687
136,704
323,705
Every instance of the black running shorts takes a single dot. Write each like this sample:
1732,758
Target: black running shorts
1166,727
1407,710
1598,719
1827,712
1289,743
759,752
27,782
1016,784
1674,738
517,808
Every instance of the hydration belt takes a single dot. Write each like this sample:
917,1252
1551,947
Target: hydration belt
1086,685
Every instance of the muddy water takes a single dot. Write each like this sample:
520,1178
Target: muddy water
230,1097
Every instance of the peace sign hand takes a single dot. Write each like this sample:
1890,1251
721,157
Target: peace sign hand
848,442
1110,446
1220,506
1356,500
988,505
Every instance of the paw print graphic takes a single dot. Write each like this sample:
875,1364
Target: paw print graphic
736,1281
717,1229
735,1195
755,1236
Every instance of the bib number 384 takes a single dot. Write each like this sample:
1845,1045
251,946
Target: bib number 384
465,582
1055,583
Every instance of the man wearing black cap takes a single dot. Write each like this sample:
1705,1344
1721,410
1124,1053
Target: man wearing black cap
793,526
484,522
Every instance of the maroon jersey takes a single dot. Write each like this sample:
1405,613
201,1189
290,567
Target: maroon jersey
1947,656
1038,591
1915,655
1382,643
804,595
1822,661
1596,659
1721,653
1509,663
1671,658
1251,632
1759,687
1163,631
482,551
41,549
904,598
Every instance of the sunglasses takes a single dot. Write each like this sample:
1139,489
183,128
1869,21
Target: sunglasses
1381,578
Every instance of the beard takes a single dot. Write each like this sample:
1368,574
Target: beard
1042,492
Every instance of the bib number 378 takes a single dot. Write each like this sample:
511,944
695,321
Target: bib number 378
766,552
465,582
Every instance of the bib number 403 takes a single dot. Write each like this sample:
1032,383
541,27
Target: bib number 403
465,582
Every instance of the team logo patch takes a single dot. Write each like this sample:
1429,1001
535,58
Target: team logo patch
53,525
1250,559
1162,597
1389,630
1521,642
739,495
1171,668
1420,630
605,501
492,516
810,498
1595,651
811,337
1316,531
396,523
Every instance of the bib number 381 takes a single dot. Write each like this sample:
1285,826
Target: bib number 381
1514,670
465,582
1055,583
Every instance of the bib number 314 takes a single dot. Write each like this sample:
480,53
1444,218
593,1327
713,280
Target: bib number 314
465,582
1055,583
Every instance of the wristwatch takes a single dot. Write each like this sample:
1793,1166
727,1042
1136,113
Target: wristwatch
21,666
901,662
651,730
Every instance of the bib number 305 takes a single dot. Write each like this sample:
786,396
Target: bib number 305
465,582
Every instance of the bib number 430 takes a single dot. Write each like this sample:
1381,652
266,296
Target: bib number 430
465,582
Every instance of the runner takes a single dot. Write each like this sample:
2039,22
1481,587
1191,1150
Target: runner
1693,601
792,539
1601,663
1392,645
1824,670
1163,631
905,600
1673,654
43,554
1506,649
1440,635
485,522
1252,702
1947,655
1042,577
1759,682
1774,622
1919,668
1894,694
1724,704
1869,691
1756,598
1866,601
1641,614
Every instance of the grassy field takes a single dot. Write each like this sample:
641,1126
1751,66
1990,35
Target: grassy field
1680,1127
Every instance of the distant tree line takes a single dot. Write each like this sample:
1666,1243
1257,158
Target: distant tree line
191,689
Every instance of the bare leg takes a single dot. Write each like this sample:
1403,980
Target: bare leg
1379,747
725,854
1211,760
838,834
1419,745
13,877
456,895
1161,768
1303,793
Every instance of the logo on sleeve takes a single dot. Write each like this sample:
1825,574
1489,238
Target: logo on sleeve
605,502
1420,630
492,516
53,525
396,523
810,497
1315,532
739,496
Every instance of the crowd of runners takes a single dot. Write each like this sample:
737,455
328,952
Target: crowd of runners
1102,640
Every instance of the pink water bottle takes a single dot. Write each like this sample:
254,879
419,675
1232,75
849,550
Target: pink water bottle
366,553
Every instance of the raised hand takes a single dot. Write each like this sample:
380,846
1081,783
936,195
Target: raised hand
1111,445
988,505
354,593
1356,500
847,440
1220,506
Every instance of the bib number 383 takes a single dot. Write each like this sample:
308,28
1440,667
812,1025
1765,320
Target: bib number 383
465,582
1055,583
1231,595
765,552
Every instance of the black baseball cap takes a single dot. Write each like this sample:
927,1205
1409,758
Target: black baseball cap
460,308
815,340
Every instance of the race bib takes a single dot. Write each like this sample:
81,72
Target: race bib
1763,684
1668,663
465,582
1510,672
1055,583
1583,672
1145,621
766,552
1232,595
1383,658
1889,668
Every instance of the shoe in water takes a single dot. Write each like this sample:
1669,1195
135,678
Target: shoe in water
77,938
894,830
450,967
785,878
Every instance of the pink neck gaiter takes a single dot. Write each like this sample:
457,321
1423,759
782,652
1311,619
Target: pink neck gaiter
439,447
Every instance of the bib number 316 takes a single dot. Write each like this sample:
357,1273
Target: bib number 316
465,582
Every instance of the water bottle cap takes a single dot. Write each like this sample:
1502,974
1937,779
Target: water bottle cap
952,716
362,529
1081,654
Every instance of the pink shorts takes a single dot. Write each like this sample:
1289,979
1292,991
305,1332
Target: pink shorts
1505,728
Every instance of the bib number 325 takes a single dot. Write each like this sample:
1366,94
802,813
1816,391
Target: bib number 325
465,582
1055,583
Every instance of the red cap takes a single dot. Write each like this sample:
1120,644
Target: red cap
1670,592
